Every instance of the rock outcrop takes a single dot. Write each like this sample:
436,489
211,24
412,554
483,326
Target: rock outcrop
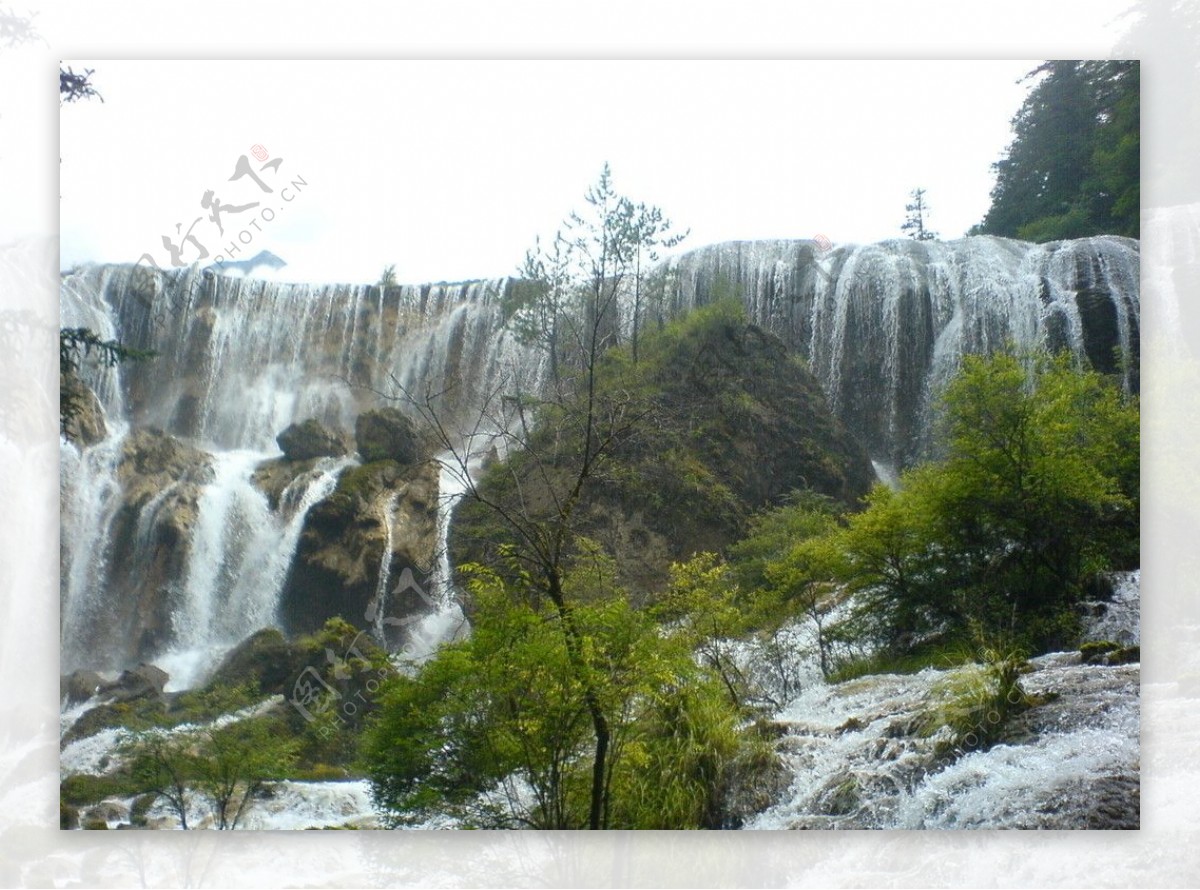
86,426
161,481
143,681
344,549
78,686
386,434
310,439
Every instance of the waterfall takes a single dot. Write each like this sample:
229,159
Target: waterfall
194,557
90,498
446,621
239,555
377,608
885,326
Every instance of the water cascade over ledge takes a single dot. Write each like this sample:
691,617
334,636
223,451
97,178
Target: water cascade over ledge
170,551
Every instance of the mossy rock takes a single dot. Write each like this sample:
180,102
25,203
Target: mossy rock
308,440
95,825
386,434
83,789
141,806
265,660
1095,652
136,714
1126,655
841,799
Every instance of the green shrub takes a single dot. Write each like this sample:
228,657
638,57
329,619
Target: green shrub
975,701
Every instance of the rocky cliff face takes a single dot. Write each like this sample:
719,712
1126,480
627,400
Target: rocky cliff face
357,544
154,515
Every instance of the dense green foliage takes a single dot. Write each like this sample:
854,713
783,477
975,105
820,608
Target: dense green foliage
224,765
1073,167
496,729
1037,493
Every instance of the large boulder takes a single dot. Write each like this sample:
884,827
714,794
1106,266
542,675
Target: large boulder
304,441
78,686
265,659
386,434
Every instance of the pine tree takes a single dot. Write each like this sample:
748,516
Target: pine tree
914,223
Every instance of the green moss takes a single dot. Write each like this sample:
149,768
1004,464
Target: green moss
138,714
82,790
1127,655
1094,651
362,482
215,699
729,423
141,806
68,816
842,799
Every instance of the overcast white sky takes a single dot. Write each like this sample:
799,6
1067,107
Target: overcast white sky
449,169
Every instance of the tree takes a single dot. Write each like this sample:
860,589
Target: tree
1036,493
73,87
496,729
387,278
1039,490
75,344
1072,169
580,426
235,761
163,765
537,304
226,765
572,289
650,231
558,445
914,223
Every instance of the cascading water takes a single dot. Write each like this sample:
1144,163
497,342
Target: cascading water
446,622
885,326
173,551
237,562
858,757
882,326
182,533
